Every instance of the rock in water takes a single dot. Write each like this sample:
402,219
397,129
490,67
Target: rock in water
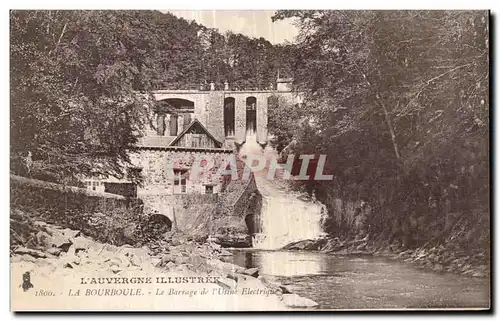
252,272
285,290
225,253
226,283
296,301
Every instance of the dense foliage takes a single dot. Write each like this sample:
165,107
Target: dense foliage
398,100
75,77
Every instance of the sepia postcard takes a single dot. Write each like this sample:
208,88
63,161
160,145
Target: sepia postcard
251,160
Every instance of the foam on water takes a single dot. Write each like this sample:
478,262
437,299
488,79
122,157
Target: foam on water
284,217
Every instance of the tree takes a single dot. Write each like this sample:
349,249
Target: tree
80,82
73,105
399,102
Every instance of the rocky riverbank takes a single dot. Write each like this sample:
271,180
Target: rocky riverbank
440,259
52,253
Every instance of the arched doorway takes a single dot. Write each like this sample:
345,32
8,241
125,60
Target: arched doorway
251,224
173,115
251,113
229,103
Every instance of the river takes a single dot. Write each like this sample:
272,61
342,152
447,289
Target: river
343,282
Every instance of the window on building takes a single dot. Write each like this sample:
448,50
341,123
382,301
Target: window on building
173,124
187,119
180,182
196,140
209,189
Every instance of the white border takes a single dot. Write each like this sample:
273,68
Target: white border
192,4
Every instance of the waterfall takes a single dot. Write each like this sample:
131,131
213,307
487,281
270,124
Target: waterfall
286,216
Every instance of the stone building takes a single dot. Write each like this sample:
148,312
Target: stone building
204,126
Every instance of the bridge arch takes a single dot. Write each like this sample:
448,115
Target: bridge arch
177,103
173,114
160,222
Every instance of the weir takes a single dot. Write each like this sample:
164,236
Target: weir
286,216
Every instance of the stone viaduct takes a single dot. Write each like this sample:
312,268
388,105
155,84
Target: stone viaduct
231,116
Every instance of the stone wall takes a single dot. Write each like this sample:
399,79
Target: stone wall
106,217
40,194
190,212
215,114
240,121
241,201
158,170
179,208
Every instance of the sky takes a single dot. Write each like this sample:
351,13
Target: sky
252,23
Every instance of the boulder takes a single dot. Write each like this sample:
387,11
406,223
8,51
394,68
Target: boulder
134,261
254,272
34,253
71,233
54,251
27,258
302,245
226,283
39,224
235,276
43,238
296,301
199,264
234,240
136,256
166,258
81,243
59,240
155,261
225,267
181,260
285,290
224,252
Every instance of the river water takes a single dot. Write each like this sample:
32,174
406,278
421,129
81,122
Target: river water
343,282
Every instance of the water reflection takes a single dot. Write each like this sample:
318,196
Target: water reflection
281,263
370,282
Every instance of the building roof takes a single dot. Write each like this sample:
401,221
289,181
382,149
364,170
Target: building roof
191,125
155,141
